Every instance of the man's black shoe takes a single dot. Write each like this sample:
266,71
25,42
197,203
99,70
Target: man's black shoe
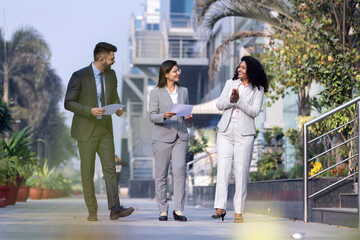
92,217
118,212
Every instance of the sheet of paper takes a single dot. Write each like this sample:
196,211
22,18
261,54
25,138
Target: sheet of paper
112,108
182,109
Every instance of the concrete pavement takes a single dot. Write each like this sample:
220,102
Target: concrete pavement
65,219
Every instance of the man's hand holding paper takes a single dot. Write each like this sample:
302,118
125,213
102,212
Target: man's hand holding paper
113,108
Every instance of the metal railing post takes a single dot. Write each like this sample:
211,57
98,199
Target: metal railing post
358,161
305,142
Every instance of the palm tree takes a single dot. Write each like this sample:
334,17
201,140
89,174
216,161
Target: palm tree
33,91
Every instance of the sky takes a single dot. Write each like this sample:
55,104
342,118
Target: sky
72,28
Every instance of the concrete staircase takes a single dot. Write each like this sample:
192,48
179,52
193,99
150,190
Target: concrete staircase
336,207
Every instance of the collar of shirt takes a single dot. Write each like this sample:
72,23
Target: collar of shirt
96,71
241,83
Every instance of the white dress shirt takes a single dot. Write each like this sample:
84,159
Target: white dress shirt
174,95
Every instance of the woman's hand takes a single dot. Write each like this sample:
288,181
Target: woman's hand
234,95
188,118
168,115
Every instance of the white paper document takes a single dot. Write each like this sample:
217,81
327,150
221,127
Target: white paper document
182,109
112,108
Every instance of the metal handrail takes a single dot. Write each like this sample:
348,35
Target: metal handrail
325,134
204,155
306,142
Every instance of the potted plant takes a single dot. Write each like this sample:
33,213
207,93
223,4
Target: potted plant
19,146
9,172
39,181
4,188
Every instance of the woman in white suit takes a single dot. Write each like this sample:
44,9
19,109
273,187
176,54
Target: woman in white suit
169,138
241,100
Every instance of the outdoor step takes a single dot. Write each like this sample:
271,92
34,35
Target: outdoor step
348,200
336,216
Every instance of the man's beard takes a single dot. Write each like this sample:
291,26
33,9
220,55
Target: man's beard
107,67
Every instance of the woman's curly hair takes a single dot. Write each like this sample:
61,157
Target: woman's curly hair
255,72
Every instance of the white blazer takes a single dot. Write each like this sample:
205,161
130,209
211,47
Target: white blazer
249,105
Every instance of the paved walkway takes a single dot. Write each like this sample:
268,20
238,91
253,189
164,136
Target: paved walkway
65,219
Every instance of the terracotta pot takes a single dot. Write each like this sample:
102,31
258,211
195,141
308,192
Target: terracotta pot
46,193
3,195
76,192
12,194
56,193
36,193
23,193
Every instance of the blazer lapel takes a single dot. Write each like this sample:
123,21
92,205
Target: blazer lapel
92,85
247,91
166,97
180,96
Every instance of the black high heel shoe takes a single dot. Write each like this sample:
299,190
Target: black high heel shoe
179,217
219,215
163,218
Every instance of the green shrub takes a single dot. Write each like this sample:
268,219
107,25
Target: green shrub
297,171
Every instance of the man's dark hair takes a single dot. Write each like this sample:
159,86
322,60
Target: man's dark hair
103,47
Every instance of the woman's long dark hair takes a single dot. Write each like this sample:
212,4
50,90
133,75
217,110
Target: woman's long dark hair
255,72
165,68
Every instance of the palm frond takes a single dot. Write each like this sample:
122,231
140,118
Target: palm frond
282,7
257,10
200,9
221,50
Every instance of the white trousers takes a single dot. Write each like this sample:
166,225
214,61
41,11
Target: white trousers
233,149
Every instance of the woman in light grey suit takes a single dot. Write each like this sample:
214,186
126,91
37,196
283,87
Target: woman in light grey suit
241,100
169,138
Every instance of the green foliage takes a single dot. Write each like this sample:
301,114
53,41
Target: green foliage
296,172
256,176
268,161
275,174
293,135
62,145
5,117
277,132
42,177
19,146
268,136
9,170
198,145
341,76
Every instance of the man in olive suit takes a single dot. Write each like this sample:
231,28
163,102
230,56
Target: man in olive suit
90,89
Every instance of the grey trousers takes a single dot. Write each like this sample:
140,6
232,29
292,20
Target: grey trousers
233,149
164,153
101,142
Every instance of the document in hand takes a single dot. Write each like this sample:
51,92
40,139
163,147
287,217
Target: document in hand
182,109
112,108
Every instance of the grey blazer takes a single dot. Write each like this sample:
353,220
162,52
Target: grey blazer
249,105
159,103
